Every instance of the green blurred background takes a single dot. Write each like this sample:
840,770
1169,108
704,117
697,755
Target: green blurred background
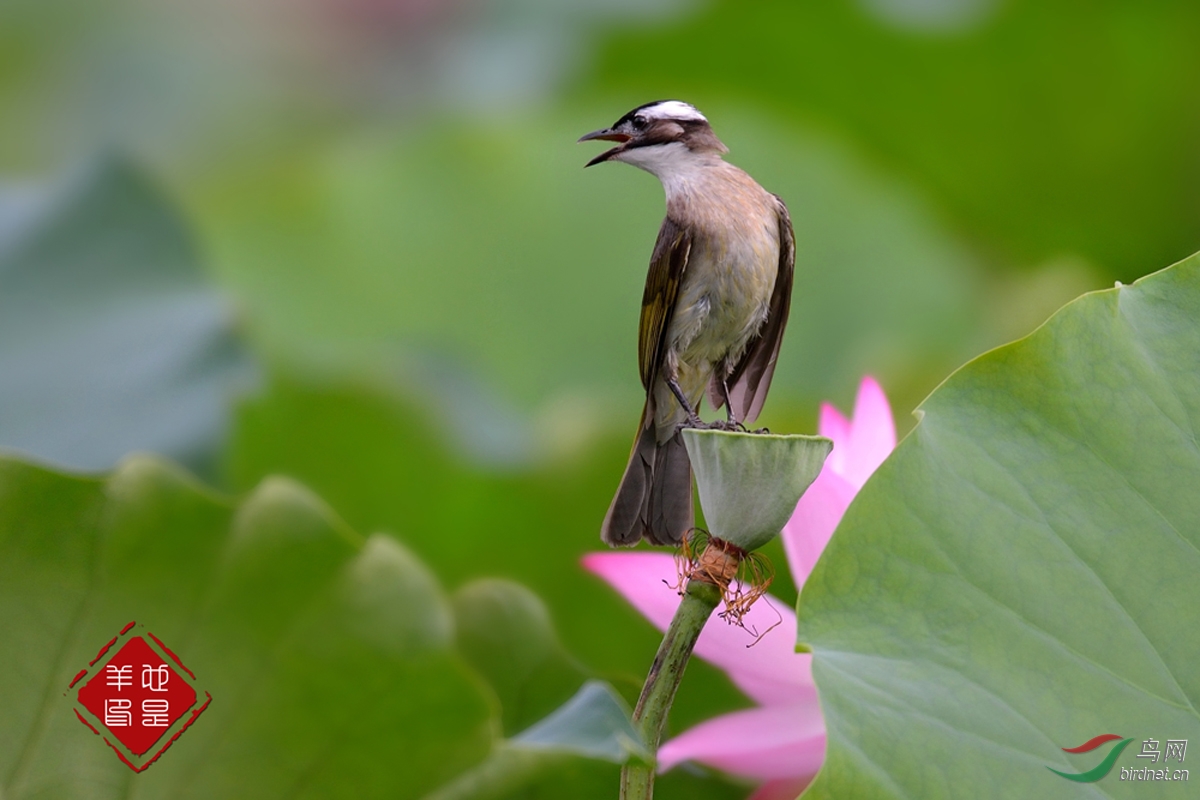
414,300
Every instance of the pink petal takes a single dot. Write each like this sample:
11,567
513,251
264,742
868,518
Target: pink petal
817,514
643,579
768,671
833,425
872,434
767,668
764,743
782,789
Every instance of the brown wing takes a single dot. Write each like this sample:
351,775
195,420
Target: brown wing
751,377
654,499
667,264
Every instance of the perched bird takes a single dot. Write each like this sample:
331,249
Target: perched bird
713,313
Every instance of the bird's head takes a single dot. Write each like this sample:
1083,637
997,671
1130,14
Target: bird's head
659,137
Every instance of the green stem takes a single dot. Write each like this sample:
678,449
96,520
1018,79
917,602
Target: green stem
650,716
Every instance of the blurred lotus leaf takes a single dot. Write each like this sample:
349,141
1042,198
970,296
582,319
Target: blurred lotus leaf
531,525
486,244
1039,130
1020,575
331,660
504,632
595,722
111,338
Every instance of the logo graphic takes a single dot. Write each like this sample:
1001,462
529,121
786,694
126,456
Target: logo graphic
1104,767
138,696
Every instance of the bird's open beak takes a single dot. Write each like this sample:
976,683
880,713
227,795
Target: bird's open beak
608,135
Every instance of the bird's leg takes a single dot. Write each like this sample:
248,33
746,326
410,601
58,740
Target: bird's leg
694,420
734,422
731,422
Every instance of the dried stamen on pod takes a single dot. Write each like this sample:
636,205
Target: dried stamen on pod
741,577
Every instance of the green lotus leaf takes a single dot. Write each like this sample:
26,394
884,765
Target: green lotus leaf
504,632
595,722
112,338
335,664
1020,575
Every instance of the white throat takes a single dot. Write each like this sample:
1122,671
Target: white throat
672,163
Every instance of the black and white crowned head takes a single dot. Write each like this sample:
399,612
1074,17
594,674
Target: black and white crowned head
660,137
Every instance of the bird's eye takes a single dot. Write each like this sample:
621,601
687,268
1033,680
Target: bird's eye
639,122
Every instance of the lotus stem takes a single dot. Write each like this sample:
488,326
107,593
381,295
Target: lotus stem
700,599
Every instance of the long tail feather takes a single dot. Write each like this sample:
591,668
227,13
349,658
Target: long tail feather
654,499
624,523
671,514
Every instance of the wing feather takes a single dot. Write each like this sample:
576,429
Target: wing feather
667,265
751,377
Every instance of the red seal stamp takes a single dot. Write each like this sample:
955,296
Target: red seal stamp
138,696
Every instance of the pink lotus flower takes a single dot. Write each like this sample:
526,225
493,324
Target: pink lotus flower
780,742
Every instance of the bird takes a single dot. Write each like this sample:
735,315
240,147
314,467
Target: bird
715,306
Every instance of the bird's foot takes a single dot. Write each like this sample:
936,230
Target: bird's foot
728,425
693,419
